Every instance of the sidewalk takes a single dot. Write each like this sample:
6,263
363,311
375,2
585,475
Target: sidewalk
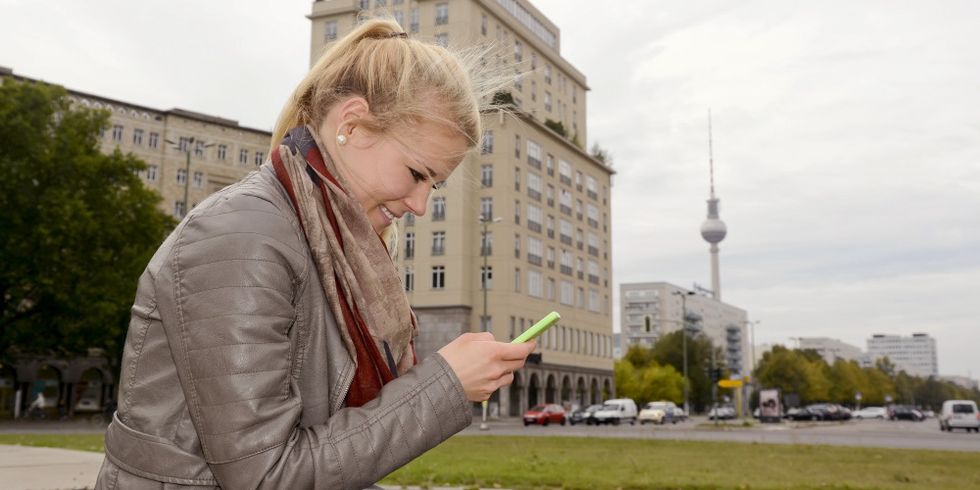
42,468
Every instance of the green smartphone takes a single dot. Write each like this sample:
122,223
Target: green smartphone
538,328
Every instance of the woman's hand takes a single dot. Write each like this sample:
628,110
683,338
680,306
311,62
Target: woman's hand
482,364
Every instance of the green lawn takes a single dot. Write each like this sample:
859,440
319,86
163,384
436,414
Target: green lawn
594,463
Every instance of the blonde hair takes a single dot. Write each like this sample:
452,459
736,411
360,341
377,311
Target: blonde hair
403,80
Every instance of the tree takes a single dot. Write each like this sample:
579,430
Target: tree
556,126
601,154
669,350
78,226
642,379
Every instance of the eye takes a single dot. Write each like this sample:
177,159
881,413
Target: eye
439,185
416,174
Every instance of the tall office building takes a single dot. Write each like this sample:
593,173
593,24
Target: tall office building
652,309
915,355
550,249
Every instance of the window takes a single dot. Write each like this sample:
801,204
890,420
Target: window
550,195
534,60
198,179
517,279
483,24
364,4
535,286
137,136
409,278
567,293
442,13
518,51
593,214
547,74
243,156
518,84
580,298
549,163
410,245
565,231
593,244
487,147
534,250
550,292
486,175
578,180
534,218
414,27
517,245
438,242
486,243
534,90
547,101
442,39
222,152
534,186
117,132
438,208
330,30
534,154
154,140
517,178
517,146
486,277
550,224
486,208
151,173
565,202
438,276
259,158
566,262
551,257
580,267
564,172
517,211
184,144
181,175
578,209
592,187
179,209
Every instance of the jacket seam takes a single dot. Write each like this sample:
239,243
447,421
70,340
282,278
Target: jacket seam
243,259
212,405
221,235
137,356
237,315
196,379
219,346
237,286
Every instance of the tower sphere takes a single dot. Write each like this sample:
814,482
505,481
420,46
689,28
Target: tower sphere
713,230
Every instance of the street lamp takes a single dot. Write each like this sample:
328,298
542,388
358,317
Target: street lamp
187,168
683,295
486,221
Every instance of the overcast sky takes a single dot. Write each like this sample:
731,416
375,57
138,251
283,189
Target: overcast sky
846,136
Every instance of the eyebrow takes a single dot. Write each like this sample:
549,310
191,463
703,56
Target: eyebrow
432,173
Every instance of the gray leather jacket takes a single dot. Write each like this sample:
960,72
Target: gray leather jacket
234,373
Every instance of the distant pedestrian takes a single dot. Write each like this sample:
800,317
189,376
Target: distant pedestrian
36,408
271,343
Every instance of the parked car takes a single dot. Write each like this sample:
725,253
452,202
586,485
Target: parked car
679,414
844,413
721,413
545,414
659,413
584,415
900,412
871,413
616,411
959,414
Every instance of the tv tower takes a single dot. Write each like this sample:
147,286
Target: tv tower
713,230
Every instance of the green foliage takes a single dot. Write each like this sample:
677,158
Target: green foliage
601,154
647,381
556,126
78,226
806,373
669,350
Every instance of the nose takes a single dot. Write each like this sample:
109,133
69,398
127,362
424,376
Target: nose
417,199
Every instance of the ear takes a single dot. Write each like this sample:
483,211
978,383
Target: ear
350,112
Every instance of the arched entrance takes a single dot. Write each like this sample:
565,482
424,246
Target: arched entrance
48,384
89,394
580,393
566,391
533,387
550,389
516,388
606,389
8,390
594,392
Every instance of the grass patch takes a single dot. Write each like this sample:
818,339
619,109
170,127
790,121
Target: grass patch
627,464
594,463
80,442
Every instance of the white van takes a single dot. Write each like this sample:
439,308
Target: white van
959,414
616,411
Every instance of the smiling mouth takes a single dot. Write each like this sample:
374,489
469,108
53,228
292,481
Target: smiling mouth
388,214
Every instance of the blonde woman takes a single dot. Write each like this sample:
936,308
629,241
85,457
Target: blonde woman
270,344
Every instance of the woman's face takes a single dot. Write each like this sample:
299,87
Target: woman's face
389,178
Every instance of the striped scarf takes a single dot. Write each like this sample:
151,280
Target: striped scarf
360,281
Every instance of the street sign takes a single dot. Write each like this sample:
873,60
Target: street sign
730,383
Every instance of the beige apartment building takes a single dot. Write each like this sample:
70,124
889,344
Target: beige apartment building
532,205
221,150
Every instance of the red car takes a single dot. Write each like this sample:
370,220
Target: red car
544,415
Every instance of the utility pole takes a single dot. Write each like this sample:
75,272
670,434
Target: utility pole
187,167
485,250
683,295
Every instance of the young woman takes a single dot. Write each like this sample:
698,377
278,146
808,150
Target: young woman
270,344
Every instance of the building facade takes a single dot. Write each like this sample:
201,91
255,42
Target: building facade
526,221
832,349
652,309
915,355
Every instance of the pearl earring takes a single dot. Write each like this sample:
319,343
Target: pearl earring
341,140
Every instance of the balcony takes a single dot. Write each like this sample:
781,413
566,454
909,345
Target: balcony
565,209
486,250
565,269
564,179
594,279
437,250
567,240
592,195
593,223
533,194
534,226
534,162
534,259
593,251
551,233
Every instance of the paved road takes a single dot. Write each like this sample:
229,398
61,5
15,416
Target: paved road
868,433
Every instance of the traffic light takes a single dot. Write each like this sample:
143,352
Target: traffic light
715,374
